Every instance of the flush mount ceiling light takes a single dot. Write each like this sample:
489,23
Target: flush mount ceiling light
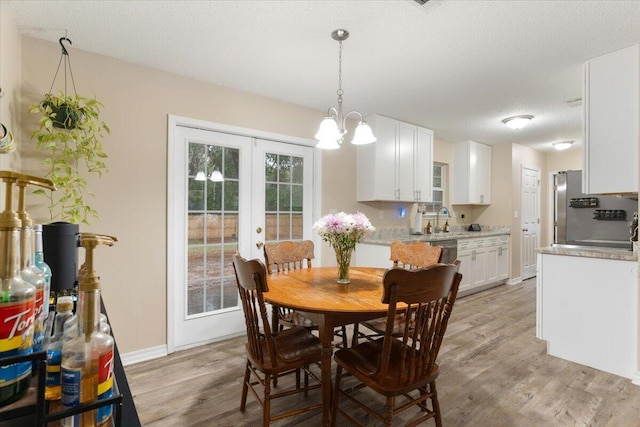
333,128
517,122
562,145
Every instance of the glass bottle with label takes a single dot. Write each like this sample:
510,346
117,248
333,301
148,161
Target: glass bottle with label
53,344
87,359
17,302
38,260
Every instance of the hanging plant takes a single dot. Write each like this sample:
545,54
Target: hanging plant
70,132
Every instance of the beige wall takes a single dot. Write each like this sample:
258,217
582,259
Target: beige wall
10,83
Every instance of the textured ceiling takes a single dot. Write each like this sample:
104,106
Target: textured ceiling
457,67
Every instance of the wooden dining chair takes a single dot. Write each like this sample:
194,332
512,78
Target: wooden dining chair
272,354
402,367
408,255
414,255
289,255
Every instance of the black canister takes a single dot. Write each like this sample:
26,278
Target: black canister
60,243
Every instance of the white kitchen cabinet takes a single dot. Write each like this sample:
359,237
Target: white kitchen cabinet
398,166
370,255
503,261
471,174
472,256
483,261
611,137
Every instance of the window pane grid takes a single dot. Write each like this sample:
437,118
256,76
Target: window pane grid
212,231
283,197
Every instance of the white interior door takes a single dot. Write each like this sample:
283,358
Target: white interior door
530,220
221,188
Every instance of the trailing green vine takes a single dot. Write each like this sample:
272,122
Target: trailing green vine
71,132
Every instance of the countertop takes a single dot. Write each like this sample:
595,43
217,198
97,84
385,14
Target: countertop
386,236
590,252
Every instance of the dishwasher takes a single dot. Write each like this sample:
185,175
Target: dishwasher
449,249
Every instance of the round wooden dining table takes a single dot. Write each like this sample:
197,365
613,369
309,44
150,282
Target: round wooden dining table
315,293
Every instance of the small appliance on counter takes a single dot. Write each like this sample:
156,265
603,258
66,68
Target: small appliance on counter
474,227
417,221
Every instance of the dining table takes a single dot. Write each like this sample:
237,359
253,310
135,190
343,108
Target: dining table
315,293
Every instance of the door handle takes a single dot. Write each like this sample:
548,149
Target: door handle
259,244
259,230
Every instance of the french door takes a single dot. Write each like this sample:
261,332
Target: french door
227,193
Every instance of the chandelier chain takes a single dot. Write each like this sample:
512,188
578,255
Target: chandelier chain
340,92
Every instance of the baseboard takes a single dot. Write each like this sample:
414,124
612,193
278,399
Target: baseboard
635,379
514,281
143,355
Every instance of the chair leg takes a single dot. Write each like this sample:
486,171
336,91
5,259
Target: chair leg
266,407
344,336
245,387
388,416
435,404
336,396
306,382
356,332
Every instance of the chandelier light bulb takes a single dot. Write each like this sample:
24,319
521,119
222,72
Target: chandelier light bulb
200,176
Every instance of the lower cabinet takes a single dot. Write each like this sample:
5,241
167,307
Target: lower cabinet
370,255
483,261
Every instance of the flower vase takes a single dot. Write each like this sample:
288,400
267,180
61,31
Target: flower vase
343,256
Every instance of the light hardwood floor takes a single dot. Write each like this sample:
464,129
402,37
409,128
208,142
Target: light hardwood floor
494,372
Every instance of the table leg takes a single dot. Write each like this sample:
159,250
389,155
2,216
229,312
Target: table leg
325,330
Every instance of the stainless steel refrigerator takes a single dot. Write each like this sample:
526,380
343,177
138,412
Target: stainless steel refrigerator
590,220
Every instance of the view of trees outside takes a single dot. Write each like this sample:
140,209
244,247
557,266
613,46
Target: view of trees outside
212,228
283,197
213,219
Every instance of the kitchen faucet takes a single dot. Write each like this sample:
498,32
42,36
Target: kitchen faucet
437,229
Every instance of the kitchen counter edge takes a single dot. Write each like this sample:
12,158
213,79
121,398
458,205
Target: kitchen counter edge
590,252
435,237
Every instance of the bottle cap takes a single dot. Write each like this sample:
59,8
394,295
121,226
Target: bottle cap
64,304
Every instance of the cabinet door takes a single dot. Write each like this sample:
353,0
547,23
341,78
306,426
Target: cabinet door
483,173
491,268
478,267
377,162
367,255
465,269
423,165
407,135
612,122
503,262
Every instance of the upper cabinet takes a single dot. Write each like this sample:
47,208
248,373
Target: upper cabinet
611,102
471,174
399,165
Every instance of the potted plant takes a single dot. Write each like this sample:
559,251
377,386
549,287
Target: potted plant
70,132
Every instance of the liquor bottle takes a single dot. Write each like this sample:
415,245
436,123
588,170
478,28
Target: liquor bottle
38,260
16,302
53,346
87,359
29,272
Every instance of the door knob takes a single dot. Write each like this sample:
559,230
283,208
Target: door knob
259,230
259,244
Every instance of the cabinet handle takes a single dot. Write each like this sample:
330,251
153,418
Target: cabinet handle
419,194
473,255
500,251
398,194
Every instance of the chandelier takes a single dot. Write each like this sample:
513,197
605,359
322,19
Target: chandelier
333,127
